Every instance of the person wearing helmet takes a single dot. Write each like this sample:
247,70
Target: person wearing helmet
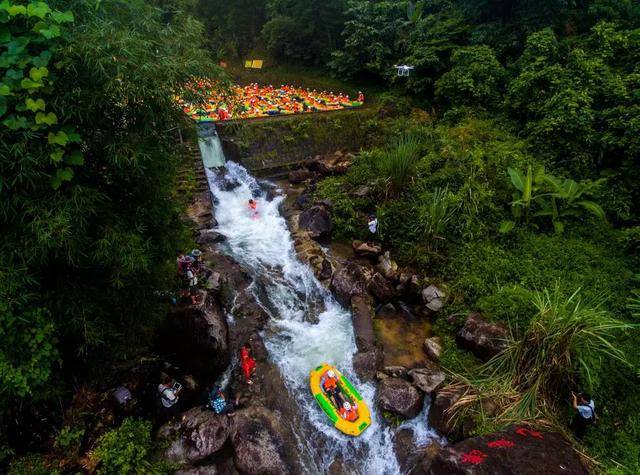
330,385
349,411
253,208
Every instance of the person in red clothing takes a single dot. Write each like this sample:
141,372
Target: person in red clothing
247,363
349,411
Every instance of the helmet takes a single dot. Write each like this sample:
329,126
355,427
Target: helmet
331,373
347,405
196,252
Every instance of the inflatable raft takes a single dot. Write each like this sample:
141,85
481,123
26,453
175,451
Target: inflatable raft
354,428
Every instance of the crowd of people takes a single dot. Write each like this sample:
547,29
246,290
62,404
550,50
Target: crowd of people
253,100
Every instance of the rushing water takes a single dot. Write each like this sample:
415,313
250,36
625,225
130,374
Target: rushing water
307,326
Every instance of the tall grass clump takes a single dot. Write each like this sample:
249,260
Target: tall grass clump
397,163
561,349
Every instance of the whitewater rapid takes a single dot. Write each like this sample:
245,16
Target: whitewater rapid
307,326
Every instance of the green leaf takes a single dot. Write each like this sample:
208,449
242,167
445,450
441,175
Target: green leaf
594,208
55,182
5,35
56,156
34,106
52,32
506,227
16,122
3,106
38,73
28,83
516,178
38,9
49,119
14,74
76,158
4,90
65,174
59,138
14,10
63,17
41,60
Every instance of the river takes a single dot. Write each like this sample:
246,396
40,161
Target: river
307,326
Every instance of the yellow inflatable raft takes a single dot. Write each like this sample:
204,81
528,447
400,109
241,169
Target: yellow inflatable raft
354,428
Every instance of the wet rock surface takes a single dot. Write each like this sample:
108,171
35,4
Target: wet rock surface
380,288
427,379
198,334
258,443
316,220
362,316
433,348
439,412
348,282
366,249
198,434
399,397
433,298
519,450
483,339
367,363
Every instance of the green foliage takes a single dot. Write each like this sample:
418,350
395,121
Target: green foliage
552,197
87,175
127,450
297,30
475,78
32,464
397,163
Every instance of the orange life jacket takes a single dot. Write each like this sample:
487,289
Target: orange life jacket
253,205
350,415
330,384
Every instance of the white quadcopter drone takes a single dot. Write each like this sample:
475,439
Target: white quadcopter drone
403,69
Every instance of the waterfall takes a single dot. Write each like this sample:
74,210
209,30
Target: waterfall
210,146
307,325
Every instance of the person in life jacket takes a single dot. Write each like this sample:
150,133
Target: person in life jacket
330,386
247,363
253,208
349,411
360,96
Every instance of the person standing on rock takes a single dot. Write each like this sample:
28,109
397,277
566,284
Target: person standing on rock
220,404
247,363
372,223
585,415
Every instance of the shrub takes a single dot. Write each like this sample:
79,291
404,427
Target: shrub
127,450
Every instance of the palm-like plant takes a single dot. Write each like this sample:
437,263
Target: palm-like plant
397,164
566,198
436,212
552,196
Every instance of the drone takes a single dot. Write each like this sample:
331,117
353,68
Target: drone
403,69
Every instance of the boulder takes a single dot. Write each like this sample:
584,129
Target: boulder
309,251
387,267
427,379
433,298
395,371
348,282
316,220
303,201
298,176
366,249
386,310
483,339
432,346
380,288
399,397
413,459
362,317
258,443
326,270
199,336
209,236
362,191
367,363
198,434
439,414
519,450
